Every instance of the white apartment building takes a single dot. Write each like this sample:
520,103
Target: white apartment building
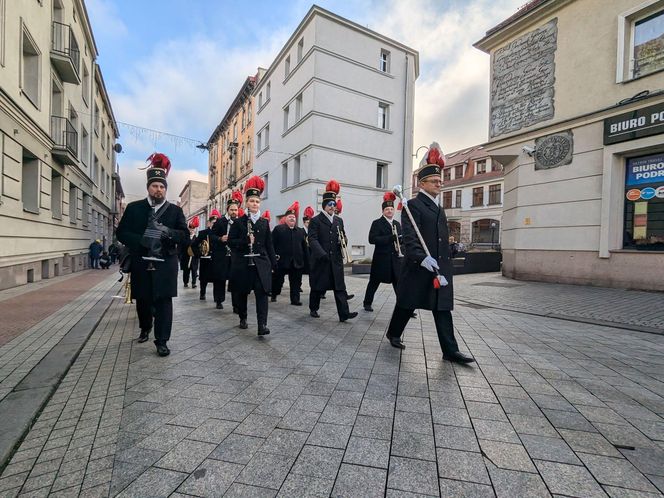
336,102
57,137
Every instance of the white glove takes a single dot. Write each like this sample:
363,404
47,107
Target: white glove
442,281
404,201
430,264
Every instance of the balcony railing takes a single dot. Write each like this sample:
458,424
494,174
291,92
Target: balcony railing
64,135
64,45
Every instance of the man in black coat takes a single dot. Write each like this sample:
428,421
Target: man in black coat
152,228
222,230
416,287
385,234
252,257
212,253
291,249
327,264
188,260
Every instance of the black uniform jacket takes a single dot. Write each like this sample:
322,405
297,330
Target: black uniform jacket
163,282
415,289
238,240
326,270
290,246
386,263
183,251
221,256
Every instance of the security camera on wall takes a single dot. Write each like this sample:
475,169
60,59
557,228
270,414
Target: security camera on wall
528,150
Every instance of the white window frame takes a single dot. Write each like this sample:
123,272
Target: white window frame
268,87
300,50
297,170
383,116
287,67
626,22
284,175
298,107
382,167
286,112
384,61
34,99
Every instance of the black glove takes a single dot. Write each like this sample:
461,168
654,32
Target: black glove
165,231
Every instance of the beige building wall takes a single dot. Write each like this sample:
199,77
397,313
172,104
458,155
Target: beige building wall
47,65
193,197
565,224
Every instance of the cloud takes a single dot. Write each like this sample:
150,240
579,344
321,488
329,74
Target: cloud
134,180
109,23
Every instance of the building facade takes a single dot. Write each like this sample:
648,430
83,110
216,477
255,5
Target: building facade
579,129
231,158
336,102
193,197
57,135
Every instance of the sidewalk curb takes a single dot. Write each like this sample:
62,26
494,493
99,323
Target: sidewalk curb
603,323
20,409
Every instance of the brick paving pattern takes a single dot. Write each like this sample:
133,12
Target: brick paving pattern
321,408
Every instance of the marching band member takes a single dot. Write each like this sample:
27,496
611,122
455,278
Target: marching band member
208,248
252,256
221,230
291,250
188,260
326,234
426,277
151,229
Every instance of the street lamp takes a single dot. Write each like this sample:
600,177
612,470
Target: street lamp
493,232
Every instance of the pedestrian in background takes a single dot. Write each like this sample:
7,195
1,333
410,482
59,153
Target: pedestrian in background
95,251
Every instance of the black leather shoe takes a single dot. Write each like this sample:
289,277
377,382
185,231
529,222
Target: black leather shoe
273,299
145,335
162,350
458,357
349,296
323,296
367,307
220,306
396,342
243,324
297,303
202,298
193,286
263,330
186,286
414,315
350,316
314,314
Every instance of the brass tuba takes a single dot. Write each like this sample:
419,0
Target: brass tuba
344,246
127,289
205,247
397,245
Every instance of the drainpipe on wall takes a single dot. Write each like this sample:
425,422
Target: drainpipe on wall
405,120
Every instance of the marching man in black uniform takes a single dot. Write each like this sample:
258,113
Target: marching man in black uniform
222,229
151,229
326,237
188,260
291,250
252,256
426,277
208,248
385,234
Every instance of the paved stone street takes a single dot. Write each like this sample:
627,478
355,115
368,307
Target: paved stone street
319,408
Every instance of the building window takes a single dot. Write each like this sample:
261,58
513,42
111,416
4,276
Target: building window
447,199
235,130
30,182
242,157
30,68
267,136
298,108
457,201
85,146
85,85
494,194
95,170
486,231
286,67
56,195
260,100
286,118
265,179
454,228
458,172
72,203
259,142
296,170
480,167
86,210
381,175
300,49
108,145
383,115
384,64
447,174
249,112
284,175
644,204
647,51
496,166
478,196
248,158
96,120
267,91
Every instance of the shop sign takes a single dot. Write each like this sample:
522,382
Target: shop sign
645,170
638,123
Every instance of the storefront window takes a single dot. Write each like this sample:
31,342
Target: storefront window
644,203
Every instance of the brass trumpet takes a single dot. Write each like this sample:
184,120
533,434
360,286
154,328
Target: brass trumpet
397,245
205,248
127,289
344,246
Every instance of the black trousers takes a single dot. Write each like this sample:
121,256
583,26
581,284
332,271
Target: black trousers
339,298
372,287
294,282
442,319
260,294
189,269
162,311
219,290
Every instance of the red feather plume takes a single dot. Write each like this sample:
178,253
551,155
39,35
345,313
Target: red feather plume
240,212
237,195
215,213
332,186
255,182
266,215
282,221
159,160
389,196
309,212
295,207
339,205
194,222
435,155
400,206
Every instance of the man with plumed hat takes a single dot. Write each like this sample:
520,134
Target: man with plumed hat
221,230
290,248
426,278
151,228
385,234
188,260
327,264
253,258
208,248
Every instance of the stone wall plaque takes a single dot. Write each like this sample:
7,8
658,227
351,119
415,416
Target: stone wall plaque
522,81
554,150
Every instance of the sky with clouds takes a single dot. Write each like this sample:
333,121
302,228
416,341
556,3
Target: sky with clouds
176,65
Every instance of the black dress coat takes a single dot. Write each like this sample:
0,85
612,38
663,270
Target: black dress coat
222,260
183,251
212,268
290,246
326,269
415,289
162,282
386,263
238,240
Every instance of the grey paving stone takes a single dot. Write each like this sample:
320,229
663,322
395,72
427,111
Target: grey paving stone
589,442
316,461
614,492
347,398
339,414
257,425
568,420
354,480
417,476
274,406
569,480
456,438
461,489
551,449
299,420
372,427
38,482
377,408
448,415
413,422
311,403
616,472
297,486
538,426
234,411
462,465
412,404
509,484
238,490
330,435
283,442
507,456
521,406
486,411
369,452
237,448
211,478
154,482
413,445
213,431
495,431
165,438
647,460
266,470
186,456
396,493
